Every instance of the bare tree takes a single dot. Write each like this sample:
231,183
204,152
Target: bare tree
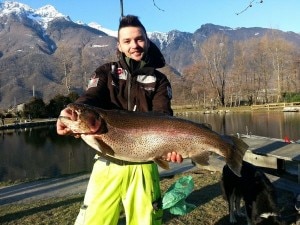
267,66
195,75
239,85
282,58
295,73
261,68
64,56
216,60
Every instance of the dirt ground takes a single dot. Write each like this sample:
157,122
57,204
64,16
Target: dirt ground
211,208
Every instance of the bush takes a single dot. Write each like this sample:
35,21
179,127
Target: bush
291,97
35,109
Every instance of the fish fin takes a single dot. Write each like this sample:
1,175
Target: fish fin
91,141
202,158
235,159
105,148
162,163
98,144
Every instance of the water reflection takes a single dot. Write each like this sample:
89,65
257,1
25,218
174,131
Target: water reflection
40,152
268,124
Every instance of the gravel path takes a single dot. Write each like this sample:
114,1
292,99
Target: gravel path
42,189
60,187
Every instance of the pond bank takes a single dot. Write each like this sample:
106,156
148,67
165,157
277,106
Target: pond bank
26,124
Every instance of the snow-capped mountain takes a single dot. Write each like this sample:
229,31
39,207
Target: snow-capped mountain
48,13
42,16
103,29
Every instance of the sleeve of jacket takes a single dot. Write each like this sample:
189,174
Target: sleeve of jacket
162,99
97,93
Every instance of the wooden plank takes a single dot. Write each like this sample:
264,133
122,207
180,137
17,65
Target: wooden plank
262,150
288,152
261,161
275,148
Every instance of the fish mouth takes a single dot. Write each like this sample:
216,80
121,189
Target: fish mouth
64,118
81,120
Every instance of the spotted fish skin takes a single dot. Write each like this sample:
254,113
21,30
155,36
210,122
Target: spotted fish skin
141,137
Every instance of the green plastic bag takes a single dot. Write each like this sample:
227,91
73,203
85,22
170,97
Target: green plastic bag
174,198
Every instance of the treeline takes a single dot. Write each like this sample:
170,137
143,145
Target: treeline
37,108
260,70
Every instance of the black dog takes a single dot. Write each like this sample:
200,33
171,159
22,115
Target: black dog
257,192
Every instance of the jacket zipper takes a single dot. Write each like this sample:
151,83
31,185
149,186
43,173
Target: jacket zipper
128,91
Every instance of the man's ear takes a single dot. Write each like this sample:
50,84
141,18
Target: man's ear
119,47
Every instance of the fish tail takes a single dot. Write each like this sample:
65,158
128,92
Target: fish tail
236,155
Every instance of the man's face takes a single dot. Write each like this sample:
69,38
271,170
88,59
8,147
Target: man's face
133,42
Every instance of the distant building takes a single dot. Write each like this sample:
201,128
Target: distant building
21,107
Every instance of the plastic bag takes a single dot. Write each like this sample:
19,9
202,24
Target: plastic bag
174,198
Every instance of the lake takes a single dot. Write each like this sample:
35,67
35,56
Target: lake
272,124
39,152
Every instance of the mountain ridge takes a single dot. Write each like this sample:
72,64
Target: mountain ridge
46,51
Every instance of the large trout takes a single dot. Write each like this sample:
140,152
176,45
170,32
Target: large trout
141,137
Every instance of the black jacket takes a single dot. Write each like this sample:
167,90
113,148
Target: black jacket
112,84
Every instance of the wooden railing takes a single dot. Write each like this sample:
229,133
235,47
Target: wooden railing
272,106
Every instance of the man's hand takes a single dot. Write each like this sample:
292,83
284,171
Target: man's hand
174,157
61,128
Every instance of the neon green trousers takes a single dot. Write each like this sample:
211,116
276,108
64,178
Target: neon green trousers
135,186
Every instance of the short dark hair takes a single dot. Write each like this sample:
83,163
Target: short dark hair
131,21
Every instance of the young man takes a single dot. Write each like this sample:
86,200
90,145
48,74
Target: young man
132,83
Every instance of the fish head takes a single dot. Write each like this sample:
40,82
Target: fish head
83,119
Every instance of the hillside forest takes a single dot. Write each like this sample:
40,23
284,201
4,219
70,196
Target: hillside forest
248,72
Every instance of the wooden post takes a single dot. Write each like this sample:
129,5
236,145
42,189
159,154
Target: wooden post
121,6
298,173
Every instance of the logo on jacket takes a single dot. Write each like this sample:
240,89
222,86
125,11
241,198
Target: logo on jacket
146,79
93,82
122,73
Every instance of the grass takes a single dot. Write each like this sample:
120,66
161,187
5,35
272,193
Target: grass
210,209
51,211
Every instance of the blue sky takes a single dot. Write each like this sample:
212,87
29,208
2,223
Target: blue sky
183,15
